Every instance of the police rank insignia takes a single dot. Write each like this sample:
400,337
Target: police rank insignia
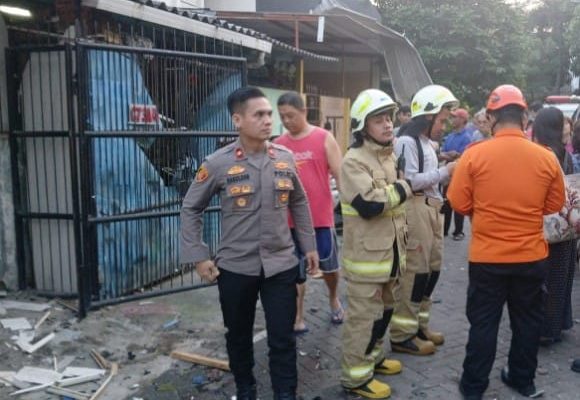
281,165
202,174
236,169
242,202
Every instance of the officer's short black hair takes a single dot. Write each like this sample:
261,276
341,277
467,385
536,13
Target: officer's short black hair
291,99
404,110
237,99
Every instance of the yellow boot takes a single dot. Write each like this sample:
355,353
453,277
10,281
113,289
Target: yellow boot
373,389
388,367
436,337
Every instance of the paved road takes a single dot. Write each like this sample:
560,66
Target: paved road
433,377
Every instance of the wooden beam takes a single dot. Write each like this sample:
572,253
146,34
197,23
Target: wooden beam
201,360
254,16
112,373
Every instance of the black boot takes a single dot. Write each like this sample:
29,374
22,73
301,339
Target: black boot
247,392
526,391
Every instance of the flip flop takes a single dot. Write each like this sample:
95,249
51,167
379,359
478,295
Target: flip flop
337,316
301,331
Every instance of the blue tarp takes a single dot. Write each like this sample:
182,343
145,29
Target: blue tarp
129,252
137,252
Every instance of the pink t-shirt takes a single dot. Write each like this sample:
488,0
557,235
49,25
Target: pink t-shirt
314,173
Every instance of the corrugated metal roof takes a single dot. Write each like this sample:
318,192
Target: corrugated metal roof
212,20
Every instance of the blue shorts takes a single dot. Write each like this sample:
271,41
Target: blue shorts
327,249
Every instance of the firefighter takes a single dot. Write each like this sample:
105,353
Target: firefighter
372,195
410,332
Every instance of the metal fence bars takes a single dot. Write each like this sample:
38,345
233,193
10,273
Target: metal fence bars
105,141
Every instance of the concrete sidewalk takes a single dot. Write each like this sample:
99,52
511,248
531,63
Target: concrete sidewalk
433,377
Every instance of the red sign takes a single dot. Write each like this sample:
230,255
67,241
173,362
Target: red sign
143,114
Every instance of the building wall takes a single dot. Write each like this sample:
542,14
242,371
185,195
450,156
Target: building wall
229,5
359,74
8,268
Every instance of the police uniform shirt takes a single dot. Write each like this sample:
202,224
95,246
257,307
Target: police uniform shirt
256,193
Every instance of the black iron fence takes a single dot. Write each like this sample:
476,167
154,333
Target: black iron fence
105,141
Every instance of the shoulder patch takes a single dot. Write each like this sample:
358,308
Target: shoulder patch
202,174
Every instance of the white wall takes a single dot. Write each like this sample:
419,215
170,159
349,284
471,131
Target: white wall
231,5
8,268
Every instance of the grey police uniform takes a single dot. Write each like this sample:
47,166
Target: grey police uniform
256,253
255,197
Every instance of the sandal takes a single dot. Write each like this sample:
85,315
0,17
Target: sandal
337,316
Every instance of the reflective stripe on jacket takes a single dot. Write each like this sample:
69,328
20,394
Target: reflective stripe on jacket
369,178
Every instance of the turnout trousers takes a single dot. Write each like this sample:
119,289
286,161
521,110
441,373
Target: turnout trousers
370,307
417,281
522,286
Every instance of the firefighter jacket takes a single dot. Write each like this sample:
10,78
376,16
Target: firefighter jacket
373,213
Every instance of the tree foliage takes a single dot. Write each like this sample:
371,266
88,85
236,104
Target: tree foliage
472,46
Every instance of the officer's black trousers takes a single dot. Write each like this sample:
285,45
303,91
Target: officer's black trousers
238,297
490,286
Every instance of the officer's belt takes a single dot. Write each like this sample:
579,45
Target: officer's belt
350,211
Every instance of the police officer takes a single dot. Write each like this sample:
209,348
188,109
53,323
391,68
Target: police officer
410,332
257,184
372,197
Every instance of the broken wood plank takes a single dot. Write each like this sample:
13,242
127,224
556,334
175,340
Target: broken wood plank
24,306
67,305
30,389
112,373
37,375
31,348
99,359
16,324
77,380
80,371
41,320
60,391
202,360
7,377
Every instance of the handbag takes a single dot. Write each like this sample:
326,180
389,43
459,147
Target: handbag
565,224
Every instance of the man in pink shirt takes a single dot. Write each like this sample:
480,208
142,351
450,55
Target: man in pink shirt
317,157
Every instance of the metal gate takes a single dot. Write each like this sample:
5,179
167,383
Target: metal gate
105,141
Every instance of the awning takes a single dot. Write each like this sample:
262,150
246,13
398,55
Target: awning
346,33
406,69
200,24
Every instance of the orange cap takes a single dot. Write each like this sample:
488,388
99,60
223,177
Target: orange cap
505,95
